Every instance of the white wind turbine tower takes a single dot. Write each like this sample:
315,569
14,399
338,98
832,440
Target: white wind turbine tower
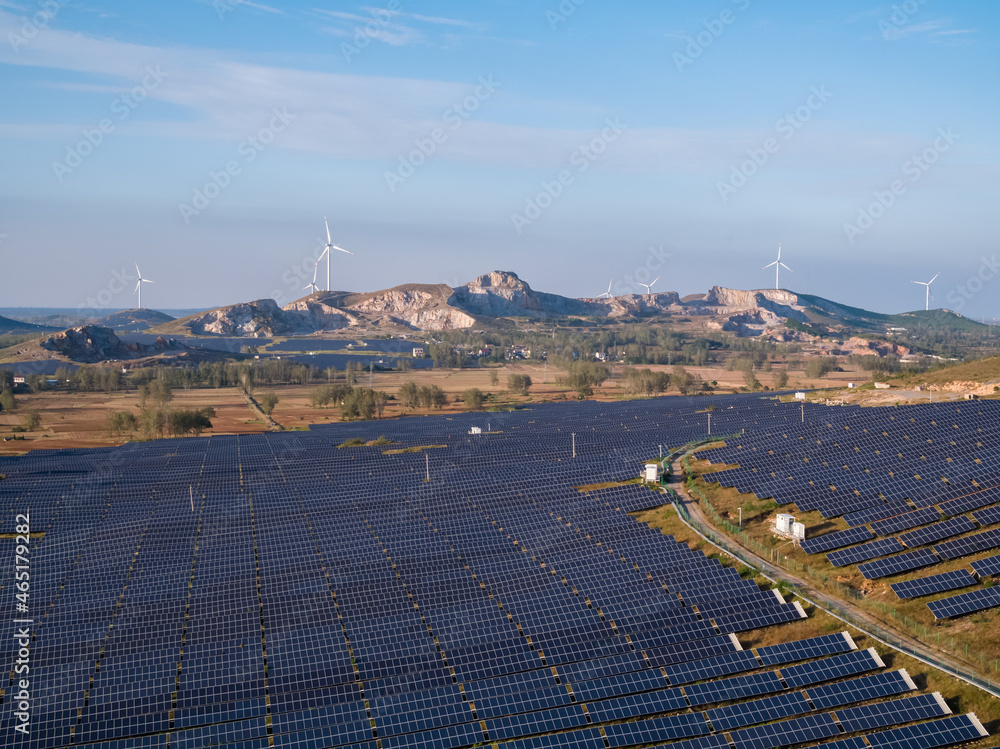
778,265
607,294
927,302
313,288
326,251
648,285
139,283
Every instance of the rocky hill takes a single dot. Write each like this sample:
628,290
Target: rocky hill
89,344
494,298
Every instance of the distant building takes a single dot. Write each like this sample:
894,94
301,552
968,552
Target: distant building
20,380
882,386
418,352
800,396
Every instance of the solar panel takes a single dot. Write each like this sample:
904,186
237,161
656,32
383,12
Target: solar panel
872,686
938,531
835,667
894,565
892,712
758,711
966,545
907,520
955,729
987,566
785,733
965,603
787,652
925,586
835,540
871,550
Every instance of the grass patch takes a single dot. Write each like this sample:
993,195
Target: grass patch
414,449
352,442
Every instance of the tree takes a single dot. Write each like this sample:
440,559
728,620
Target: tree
152,423
37,383
431,396
267,402
684,380
157,391
189,421
494,377
121,423
473,398
358,403
381,400
7,401
518,383
408,394
751,381
818,367
645,381
781,381
30,421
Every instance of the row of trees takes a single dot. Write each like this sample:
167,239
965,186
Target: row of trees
153,423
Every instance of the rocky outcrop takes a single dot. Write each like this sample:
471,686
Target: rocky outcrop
311,315
503,294
92,343
641,305
414,306
260,319
874,347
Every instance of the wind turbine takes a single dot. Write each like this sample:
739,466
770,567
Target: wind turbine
778,265
927,303
326,251
313,288
139,283
648,285
607,294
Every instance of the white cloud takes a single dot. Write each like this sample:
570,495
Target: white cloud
359,117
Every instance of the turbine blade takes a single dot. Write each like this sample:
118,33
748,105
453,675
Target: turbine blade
654,280
341,249
325,223
137,286
323,253
137,270
933,279
787,268
769,265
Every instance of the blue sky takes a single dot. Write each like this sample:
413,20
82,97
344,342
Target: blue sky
571,142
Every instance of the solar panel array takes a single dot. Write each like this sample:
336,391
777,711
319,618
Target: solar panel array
885,471
274,590
849,459
925,586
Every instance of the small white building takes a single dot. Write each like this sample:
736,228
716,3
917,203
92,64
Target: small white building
652,474
476,430
783,523
19,380
851,386
800,396
882,386
799,531
418,352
